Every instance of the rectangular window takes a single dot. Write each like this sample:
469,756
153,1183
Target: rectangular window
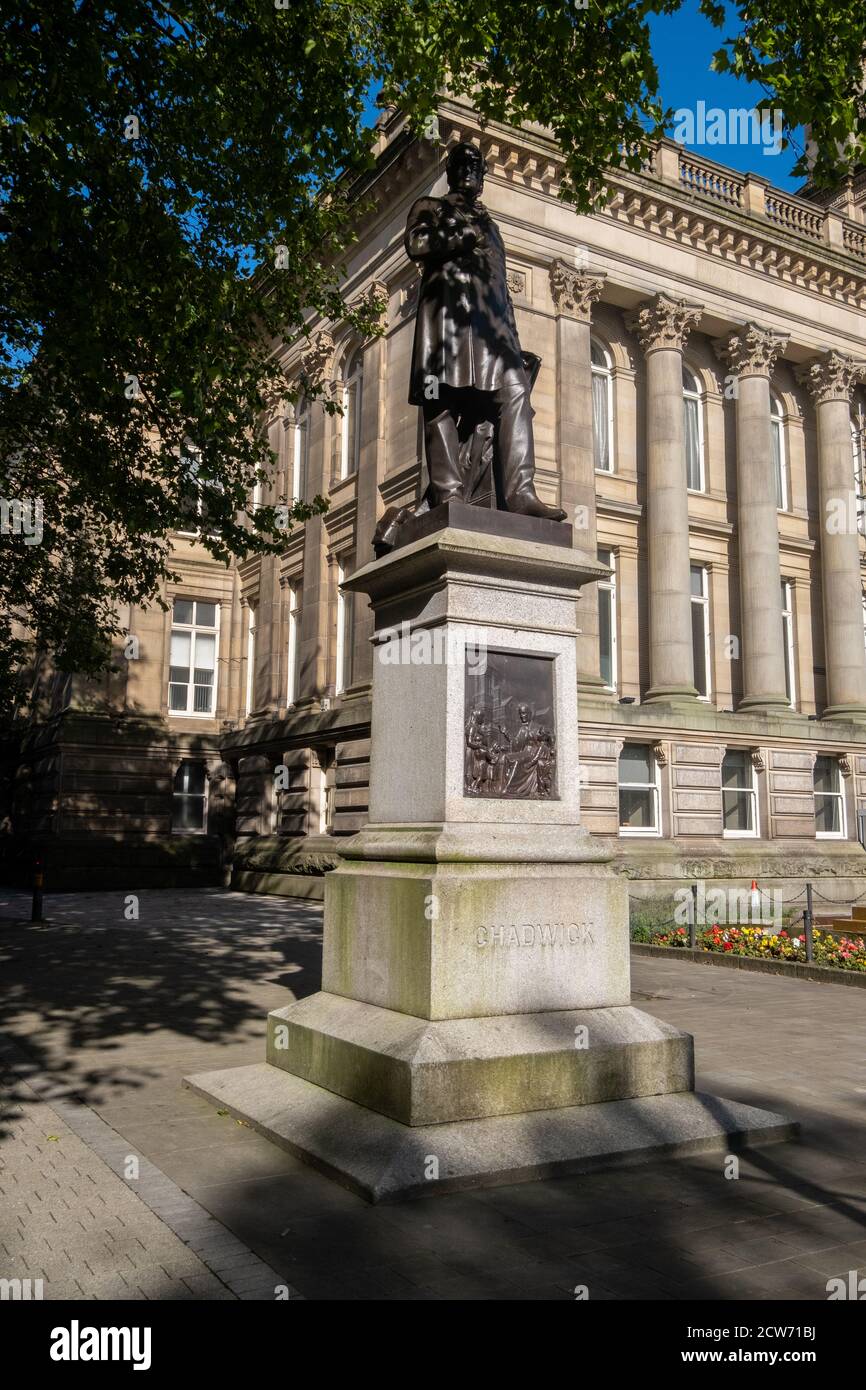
301,450
638,791
788,642
251,659
829,799
739,797
189,799
345,626
294,652
193,658
195,492
777,427
607,621
700,593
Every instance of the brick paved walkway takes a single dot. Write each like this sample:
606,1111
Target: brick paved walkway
112,1013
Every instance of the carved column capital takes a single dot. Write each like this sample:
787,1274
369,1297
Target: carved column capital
574,292
831,377
315,362
751,350
375,294
663,322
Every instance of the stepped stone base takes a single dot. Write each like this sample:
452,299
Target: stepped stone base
382,1160
424,1072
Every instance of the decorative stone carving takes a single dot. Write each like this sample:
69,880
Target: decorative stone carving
663,322
831,377
375,291
845,766
574,292
315,362
751,350
757,757
660,753
516,282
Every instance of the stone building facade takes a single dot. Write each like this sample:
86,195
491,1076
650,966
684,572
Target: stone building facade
699,413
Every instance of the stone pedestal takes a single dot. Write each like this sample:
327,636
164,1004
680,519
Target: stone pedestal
475,1024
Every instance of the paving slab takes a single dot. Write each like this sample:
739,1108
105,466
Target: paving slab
187,988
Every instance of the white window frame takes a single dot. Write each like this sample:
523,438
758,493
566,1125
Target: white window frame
251,659
343,601
702,600
180,829
323,801
604,370
608,586
789,639
292,682
697,395
193,629
777,426
190,459
301,450
637,832
350,448
751,791
842,833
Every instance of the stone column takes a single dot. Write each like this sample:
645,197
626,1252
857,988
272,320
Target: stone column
831,379
371,472
574,292
315,606
662,326
751,353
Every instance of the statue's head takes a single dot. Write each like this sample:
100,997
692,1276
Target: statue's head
524,713
465,168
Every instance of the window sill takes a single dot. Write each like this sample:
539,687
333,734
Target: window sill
639,834
740,835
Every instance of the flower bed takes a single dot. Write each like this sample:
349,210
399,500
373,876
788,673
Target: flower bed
840,953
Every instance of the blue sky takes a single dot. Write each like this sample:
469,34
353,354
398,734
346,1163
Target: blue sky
683,44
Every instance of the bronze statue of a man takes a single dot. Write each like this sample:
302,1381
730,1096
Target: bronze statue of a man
468,369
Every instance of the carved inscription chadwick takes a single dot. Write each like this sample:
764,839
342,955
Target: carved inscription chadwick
535,934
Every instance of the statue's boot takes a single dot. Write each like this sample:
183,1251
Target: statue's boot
527,503
517,454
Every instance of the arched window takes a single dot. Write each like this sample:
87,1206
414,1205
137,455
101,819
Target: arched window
780,457
353,386
694,432
602,408
301,451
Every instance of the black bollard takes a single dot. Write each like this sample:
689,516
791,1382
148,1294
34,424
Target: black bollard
808,920
36,909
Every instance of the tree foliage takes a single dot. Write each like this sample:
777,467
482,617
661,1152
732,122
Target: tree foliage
154,155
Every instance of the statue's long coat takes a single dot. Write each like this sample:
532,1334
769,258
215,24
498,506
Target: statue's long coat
465,334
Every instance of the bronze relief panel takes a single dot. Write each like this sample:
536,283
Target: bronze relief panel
510,727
